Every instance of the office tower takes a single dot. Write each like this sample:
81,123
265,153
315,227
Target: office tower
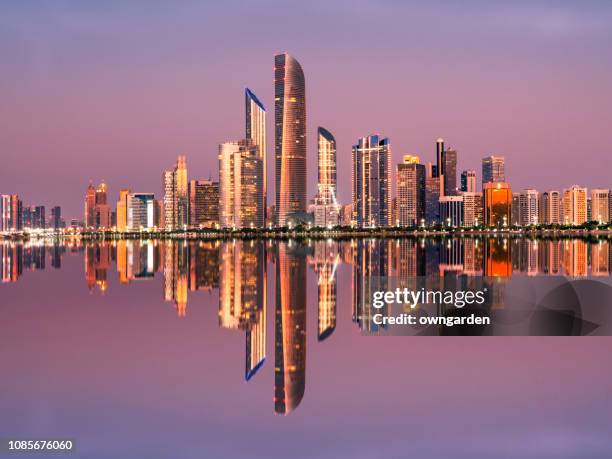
56,217
241,203
11,213
37,217
97,211
600,205
289,137
437,170
497,204
256,131
468,181
575,205
472,209
451,210
122,205
410,192
176,203
432,195
326,207
90,205
550,208
529,208
159,215
140,211
493,169
449,172
371,182
27,216
290,329
203,203
516,209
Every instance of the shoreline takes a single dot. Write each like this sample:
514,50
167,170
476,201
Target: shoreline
334,234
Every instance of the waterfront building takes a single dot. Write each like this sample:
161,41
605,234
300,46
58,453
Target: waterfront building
497,204
176,203
468,181
575,205
410,192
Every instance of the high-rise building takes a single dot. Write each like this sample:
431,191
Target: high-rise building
240,185
176,204
493,169
472,209
437,170
516,209
56,217
410,192
140,211
90,207
449,172
256,131
203,203
327,209
432,195
497,204
529,208
327,167
575,205
38,217
102,213
468,181
11,213
550,208
289,137
371,181
451,210
600,205
122,205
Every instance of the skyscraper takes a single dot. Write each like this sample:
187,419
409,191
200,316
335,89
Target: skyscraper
176,206
600,205
410,192
432,195
575,205
289,137
472,209
529,208
371,180
449,172
437,170
56,217
203,203
497,204
140,211
256,131
327,209
102,217
550,208
11,213
122,204
90,204
493,169
468,181
240,185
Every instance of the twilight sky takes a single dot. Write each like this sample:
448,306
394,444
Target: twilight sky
115,90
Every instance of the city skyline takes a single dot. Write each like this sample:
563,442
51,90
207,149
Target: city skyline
141,129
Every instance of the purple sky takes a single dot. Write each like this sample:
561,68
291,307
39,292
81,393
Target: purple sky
115,91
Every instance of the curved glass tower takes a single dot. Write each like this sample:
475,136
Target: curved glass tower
256,131
327,167
289,137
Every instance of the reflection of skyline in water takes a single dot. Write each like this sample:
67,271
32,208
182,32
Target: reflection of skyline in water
238,270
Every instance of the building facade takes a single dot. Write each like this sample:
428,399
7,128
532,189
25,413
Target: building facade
600,205
203,204
575,205
497,204
176,203
468,181
256,131
529,208
550,208
493,169
140,211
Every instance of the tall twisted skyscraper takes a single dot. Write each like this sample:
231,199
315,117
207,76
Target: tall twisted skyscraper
256,131
289,137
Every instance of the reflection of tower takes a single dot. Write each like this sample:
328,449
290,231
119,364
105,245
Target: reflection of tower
290,329
176,264
575,258
498,258
550,257
242,297
97,262
204,265
326,260
12,262
472,257
372,262
600,258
